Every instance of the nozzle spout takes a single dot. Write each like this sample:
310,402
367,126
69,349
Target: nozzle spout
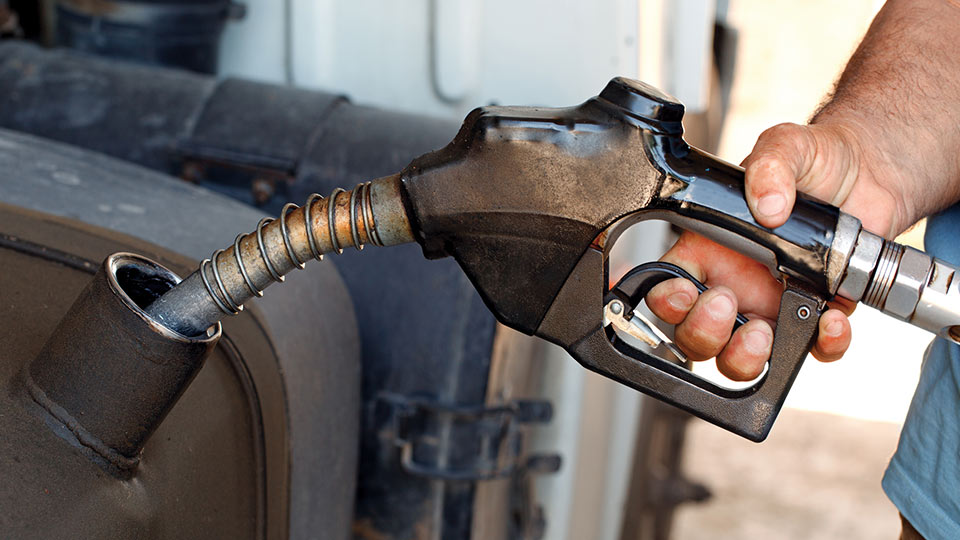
373,213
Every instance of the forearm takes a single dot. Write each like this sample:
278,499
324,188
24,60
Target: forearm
900,95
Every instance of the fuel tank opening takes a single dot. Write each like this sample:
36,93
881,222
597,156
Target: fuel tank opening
143,282
142,286
110,372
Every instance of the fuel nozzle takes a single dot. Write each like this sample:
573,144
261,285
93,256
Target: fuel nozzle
904,283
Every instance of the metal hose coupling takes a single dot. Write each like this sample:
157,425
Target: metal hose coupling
372,213
905,283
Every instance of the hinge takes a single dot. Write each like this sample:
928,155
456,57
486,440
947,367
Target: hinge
471,443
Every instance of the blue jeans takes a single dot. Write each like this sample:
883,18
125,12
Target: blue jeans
923,478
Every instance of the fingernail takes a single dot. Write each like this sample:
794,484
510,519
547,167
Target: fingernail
680,301
757,341
771,205
720,307
833,329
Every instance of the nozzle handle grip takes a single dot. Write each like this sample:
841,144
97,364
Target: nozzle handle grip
705,194
748,412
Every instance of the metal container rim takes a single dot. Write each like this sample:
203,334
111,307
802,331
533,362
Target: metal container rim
116,261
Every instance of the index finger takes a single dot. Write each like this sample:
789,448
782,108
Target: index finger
756,289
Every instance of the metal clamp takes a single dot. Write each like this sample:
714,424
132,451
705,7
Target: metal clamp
465,443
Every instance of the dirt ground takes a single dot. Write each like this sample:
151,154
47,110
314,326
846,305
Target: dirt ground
816,477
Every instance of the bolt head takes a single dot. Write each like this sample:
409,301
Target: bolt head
912,275
616,308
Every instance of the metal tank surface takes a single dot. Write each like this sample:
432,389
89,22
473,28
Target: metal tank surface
445,411
262,440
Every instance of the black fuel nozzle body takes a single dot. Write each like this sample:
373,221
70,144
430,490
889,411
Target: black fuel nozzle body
521,194
529,201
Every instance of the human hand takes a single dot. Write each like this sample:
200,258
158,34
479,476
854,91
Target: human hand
827,161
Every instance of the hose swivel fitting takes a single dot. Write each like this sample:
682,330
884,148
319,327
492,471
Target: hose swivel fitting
905,283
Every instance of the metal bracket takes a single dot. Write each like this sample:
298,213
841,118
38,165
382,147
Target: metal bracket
466,443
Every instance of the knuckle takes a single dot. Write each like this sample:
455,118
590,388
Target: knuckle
719,305
659,292
770,168
757,339
702,341
781,131
707,327
661,303
742,361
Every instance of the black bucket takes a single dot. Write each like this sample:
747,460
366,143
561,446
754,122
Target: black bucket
158,32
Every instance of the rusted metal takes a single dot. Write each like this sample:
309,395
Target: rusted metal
373,213
111,373
262,190
193,171
657,484
9,22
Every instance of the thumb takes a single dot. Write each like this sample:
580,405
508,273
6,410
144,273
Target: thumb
814,159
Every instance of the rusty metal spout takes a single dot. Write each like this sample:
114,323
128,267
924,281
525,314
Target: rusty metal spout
372,213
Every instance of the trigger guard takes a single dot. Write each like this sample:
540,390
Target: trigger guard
749,412
638,282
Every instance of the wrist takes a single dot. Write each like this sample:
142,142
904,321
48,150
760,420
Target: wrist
888,195
906,134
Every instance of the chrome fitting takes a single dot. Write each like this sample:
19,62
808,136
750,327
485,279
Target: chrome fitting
845,239
908,283
939,302
861,264
904,283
